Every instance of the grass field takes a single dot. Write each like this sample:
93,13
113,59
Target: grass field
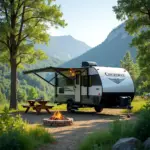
137,104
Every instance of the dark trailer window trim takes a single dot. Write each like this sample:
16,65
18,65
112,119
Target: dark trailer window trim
93,80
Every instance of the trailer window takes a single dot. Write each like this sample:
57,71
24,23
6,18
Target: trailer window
95,80
65,82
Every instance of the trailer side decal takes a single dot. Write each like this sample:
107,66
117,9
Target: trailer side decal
116,80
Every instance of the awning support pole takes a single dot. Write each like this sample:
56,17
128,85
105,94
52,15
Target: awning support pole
44,79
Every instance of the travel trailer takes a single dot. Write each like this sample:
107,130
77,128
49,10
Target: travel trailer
91,86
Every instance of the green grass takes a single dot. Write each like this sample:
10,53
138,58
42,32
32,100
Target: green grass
104,140
16,134
101,140
137,104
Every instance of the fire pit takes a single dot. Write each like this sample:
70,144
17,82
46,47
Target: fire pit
57,119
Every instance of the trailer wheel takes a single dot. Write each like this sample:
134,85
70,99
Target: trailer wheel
98,108
69,106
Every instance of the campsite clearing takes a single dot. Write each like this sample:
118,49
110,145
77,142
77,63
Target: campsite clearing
69,137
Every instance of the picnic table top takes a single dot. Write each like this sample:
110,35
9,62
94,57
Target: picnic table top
37,100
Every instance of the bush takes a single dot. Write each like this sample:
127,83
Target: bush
98,141
16,140
142,126
40,136
8,122
120,129
105,140
15,134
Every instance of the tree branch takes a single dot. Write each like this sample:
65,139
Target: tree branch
147,8
19,61
39,18
3,42
21,26
27,34
19,6
6,13
19,55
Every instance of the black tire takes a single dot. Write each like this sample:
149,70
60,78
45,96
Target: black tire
98,108
69,106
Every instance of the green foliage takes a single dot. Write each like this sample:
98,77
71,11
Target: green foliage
22,24
25,23
21,95
143,124
32,94
130,66
25,83
97,141
15,140
120,129
15,134
42,134
2,97
137,16
105,139
7,122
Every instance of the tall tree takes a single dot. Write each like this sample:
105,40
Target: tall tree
129,65
136,13
23,23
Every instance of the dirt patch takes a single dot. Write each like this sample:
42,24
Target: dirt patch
69,137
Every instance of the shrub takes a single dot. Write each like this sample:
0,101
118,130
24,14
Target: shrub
142,126
104,140
15,134
16,140
122,129
8,122
40,136
98,141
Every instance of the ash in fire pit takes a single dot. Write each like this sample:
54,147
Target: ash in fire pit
57,119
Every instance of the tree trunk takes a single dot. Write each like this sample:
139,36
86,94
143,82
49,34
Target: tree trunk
13,100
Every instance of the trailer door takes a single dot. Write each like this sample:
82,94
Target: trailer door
78,87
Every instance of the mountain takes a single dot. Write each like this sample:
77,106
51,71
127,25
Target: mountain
108,53
51,61
63,47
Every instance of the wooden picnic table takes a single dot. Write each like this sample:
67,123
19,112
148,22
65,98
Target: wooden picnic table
37,107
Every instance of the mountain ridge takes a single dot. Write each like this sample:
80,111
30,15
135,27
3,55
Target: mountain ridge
63,47
109,52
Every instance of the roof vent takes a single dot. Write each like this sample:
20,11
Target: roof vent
88,64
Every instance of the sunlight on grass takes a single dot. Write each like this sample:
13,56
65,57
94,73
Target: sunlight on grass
137,104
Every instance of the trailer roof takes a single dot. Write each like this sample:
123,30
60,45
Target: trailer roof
52,69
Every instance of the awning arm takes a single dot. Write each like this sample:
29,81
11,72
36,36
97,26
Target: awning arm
51,79
44,79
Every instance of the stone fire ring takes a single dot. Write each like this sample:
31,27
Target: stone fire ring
49,122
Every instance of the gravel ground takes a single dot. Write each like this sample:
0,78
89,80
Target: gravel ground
69,137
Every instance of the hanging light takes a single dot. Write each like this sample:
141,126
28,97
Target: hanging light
72,72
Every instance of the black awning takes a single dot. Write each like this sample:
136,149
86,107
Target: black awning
54,70
51,69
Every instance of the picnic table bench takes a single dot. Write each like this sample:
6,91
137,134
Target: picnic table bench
37,107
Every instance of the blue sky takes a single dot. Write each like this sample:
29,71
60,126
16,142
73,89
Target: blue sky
88,20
